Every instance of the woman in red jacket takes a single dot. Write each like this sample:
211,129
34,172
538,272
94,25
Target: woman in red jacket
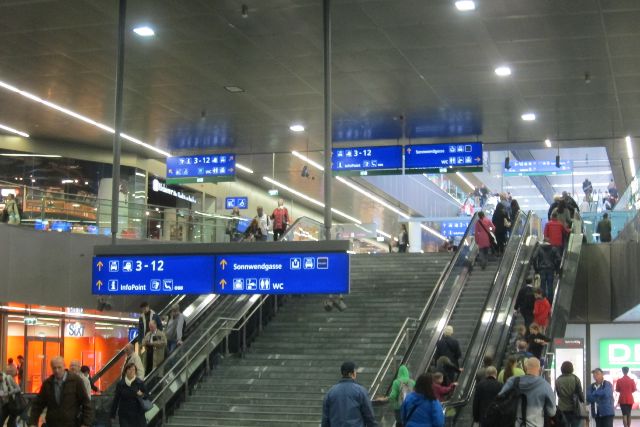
555,231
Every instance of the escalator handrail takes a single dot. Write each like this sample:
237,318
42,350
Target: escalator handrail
107,366
494,310
292,227
452,302
181,364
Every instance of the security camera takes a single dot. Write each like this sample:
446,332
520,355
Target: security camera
244,11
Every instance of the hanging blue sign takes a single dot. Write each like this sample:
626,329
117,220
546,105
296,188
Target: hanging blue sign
153,275
202,168
283,273
443,157
367,160
236,202
455,228
539,167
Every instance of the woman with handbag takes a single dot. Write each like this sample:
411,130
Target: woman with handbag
9,391
570,397
130,399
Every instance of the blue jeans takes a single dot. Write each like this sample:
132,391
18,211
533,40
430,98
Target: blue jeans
546,283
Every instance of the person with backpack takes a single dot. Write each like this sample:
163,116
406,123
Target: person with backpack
523,401
400,389
421,408
600,396
511,369
569,391
280,218
486,392
450,347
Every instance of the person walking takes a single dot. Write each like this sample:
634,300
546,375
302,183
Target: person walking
511,369
280,218
232,225
600,396
175,328
64,397
626,387
449,347
146,316
546,261
403,239
541,309
525,302
568,389
604,228
126,401
347,403
133,357
400,389
421,408
556,232
155,344
483,238
264,224
8,389
540,398
486,392
501,222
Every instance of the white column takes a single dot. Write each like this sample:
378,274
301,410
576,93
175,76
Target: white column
415,236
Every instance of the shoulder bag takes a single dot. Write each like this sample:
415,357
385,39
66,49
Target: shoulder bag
492,237
579,408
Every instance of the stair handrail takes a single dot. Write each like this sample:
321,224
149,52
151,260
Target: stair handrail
198,346
107,366
390,357
493,308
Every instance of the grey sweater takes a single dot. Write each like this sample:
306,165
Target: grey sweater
540,399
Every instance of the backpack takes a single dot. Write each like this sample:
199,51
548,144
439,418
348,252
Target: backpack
405,389
521,360
503,411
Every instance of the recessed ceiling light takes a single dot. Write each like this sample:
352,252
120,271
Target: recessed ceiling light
296,128
465,5
144,31
547,142
12,130
528,117
503,71
234,89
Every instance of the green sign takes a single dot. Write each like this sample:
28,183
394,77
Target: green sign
616,353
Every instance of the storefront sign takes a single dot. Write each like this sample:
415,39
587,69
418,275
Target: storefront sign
269,273
616,353
74,329
161,187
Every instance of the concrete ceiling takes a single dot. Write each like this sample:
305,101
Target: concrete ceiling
420,59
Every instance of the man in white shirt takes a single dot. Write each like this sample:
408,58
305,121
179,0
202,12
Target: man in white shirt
264,223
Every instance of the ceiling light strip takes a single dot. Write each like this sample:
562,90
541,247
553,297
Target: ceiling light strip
308,160
12,130
632,162
243,168
466,181
30,155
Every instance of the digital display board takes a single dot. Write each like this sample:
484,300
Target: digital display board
283,273
236,202
438,157
538,167
201,168
367,160
268,273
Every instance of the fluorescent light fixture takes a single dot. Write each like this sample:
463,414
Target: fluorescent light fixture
79,117
503,71
296,127
30,155
309,199
466,181
382,233
434,232
465,5
144,31
632,162
141,175
372,197
243,168
547,142
308,160
528,117
67,181
12,130
234,89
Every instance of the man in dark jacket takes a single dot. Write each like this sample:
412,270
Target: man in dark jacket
486,392
604,228
546,262
525,302
146,317
449,347
347,403
64,396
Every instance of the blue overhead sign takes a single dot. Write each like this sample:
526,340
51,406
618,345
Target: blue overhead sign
236,202
153,275
367,160
202,168
539,167
269,273
438,157
455,228
283,273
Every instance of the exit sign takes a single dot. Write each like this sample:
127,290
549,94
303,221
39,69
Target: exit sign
616,353
30,321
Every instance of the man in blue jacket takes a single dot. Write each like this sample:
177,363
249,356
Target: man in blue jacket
347,403
600,395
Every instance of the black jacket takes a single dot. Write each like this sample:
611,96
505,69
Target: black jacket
74,408
486,392
127,405
525,301
448,346
546,258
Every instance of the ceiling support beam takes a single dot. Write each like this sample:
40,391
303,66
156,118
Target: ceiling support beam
328,133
